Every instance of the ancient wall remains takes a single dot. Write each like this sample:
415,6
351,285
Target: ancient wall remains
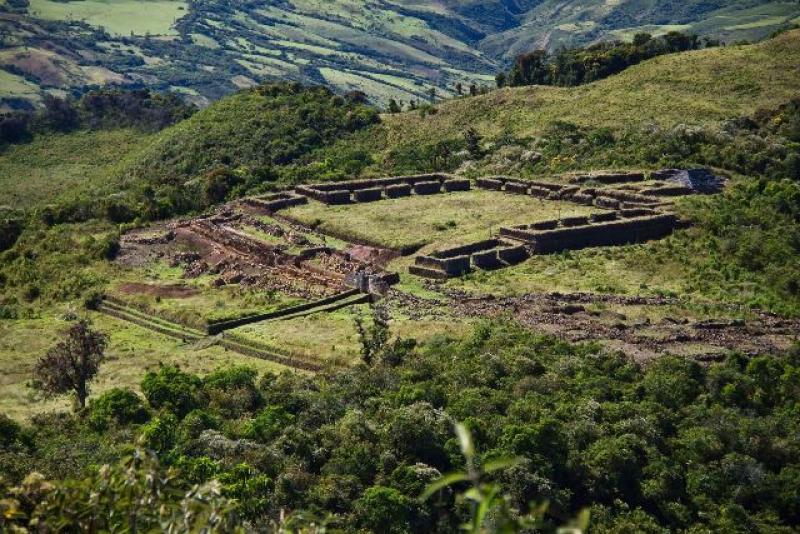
616,232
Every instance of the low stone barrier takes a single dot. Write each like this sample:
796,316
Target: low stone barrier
611,177
518,188
490,183
276,202
668,191
466,250
618,232
636,212
513,255
398,191
574,221
603,217
337,198
539,192
627,196
368,195
606,202
486,260
213,329
427,272
427,188
456,185
544,225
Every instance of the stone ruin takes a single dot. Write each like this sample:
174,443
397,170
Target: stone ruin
452,262
339,193
274,202
606,229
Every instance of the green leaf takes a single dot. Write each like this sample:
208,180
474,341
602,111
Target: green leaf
498,464
465,440
446,480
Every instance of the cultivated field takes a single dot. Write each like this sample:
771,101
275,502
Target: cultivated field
122,18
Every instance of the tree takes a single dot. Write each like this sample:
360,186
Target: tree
473,140
473,89
500,79
373,338
72,363
459,89
432,94
394,107
58,114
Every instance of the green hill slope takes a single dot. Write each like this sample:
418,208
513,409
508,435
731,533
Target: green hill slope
702,87
387,48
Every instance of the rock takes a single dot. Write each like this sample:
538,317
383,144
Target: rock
531,156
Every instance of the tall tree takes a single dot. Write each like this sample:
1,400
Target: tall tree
71,364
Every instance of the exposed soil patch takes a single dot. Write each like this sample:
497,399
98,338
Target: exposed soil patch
168,291
566,316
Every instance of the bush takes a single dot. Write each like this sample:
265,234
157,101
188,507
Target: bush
9,430
171,389
117,406
233,391
384,509
161,433
269,424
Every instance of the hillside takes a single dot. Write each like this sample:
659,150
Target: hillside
666,91
511,312
400,48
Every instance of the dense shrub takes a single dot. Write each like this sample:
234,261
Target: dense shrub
9,430
171,389
576,66
116,406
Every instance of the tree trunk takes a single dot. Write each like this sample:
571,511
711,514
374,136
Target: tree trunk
80,392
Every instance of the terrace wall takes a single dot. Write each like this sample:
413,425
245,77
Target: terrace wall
620,232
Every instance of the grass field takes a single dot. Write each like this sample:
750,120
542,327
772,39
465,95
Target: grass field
16,86
131,352
39,172
333,336
117,17
437,220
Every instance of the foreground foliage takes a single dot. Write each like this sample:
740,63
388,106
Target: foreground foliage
675,446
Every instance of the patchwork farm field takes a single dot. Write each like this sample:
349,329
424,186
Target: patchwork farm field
444,220
121,18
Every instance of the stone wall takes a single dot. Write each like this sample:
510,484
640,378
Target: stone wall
368,195
466,249
457,185
395,187
617,232
428,188
397,191
276,202
456,261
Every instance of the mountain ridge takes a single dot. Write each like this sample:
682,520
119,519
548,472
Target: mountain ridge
402,49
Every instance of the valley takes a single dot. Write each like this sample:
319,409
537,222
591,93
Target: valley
397,49
290,311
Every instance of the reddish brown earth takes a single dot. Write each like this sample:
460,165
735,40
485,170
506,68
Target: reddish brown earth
168,291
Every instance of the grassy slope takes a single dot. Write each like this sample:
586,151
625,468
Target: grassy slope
132,351
702,87
39,172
